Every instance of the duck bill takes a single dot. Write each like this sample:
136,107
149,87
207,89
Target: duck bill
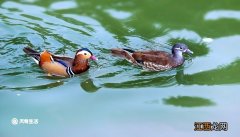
93,58
189,51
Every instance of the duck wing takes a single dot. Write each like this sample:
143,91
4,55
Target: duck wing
141,57
156,57
157,53
156,61
64,60
152,60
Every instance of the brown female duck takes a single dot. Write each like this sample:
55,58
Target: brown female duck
61,65
155,60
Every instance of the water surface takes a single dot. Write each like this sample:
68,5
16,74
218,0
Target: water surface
115,98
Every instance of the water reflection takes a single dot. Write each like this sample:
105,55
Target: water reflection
61,5
29,1
34,88
188,35
118,14
148,79
88,86
23,7
228,74
223,51
222,14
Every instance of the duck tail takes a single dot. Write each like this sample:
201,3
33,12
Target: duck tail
34,54
124,53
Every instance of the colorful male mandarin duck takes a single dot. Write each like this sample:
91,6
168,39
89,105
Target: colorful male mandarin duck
155,60
61,65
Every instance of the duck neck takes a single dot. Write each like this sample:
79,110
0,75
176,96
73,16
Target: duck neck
79,65
178,57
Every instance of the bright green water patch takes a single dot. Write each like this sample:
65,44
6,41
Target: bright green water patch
186,101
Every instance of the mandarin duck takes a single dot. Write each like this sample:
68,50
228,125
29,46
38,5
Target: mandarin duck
155,60
60,65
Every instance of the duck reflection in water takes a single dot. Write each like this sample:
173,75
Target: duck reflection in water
89,86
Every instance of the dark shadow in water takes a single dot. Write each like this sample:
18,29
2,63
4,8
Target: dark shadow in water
148,79
37,88
89,86
13,73
188,101
111,74
163,81
51,77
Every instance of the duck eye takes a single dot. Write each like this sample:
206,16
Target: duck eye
85,54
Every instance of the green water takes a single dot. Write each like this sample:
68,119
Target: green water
114,98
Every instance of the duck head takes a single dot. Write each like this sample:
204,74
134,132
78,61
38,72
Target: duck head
80,62
180,48
85,54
